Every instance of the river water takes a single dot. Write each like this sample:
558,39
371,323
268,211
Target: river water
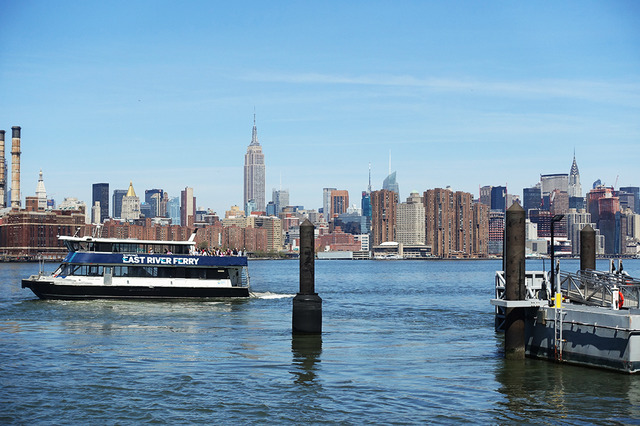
404,342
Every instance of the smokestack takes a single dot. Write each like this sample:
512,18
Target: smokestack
15,167
3,179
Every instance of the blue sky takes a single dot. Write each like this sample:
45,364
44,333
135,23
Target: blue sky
459,93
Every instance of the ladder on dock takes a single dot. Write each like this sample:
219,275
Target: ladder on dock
558,339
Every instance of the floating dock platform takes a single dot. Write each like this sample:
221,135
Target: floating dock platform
587,327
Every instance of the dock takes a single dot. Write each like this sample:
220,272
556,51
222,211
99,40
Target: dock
587,327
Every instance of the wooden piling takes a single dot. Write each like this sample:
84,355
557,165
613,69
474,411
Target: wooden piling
587,248
514,274
307,305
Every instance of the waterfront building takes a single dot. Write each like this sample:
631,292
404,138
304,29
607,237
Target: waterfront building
130,204
254,172
480,230
27,234
187,207
384,204
339,203
117,202
101,194
391,184
496,232
273,226
410,226
455,226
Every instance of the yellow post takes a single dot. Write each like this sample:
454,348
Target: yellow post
558,303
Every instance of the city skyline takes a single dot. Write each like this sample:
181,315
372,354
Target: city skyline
463,95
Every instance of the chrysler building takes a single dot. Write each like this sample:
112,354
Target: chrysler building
254,172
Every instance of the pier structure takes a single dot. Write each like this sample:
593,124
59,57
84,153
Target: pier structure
307,305
596,323
15,167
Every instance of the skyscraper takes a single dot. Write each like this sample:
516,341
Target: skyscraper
339,203
130,204
187,207
254,171
118,194
280,198
574,189
390,183
101,194
411,221
384,205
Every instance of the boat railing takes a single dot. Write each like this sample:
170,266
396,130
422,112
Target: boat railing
596,288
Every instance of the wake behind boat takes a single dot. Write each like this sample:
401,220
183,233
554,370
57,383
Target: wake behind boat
112,268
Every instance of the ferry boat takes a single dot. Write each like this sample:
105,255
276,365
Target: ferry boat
109,268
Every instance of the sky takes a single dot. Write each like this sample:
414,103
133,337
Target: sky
457,93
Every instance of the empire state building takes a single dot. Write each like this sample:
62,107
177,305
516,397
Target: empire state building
254,172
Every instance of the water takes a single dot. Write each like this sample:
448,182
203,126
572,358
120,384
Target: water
403,342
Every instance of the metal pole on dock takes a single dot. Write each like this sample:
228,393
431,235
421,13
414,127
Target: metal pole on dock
307,305
587,248
514,275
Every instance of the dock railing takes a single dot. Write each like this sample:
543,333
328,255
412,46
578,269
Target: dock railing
534,284
595,288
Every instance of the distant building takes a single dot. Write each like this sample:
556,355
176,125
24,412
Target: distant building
485,195
118,194
130,204
153,197
410,226
531,198
251,206
365,204
635,193
391,184
101,194
574,188
280,198
339,202
254,172
455,226
499,198
27,234
496,232
326,203
187,207
173,210
384,204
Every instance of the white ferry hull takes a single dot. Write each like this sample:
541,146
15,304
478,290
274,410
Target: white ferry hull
49,290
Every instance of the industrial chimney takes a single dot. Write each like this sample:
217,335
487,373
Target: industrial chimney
15,167
3,178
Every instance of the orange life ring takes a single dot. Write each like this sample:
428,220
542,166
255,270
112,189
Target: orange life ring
620,300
